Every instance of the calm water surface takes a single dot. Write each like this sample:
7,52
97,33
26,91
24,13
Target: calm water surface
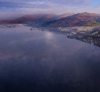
46,61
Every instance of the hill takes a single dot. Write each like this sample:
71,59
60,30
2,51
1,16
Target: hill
80,19
52,20
31,18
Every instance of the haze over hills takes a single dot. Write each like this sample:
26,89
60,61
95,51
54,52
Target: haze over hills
35,18
64,15
52,20
30,18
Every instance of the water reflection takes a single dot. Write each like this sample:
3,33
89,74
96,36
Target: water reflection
45,60
86,34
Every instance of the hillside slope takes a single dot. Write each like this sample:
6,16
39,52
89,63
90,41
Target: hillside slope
80,19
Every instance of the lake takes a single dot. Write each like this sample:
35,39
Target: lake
44,60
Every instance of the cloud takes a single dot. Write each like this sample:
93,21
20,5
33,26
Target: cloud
71,2
25,5
67,2
16,7
16,4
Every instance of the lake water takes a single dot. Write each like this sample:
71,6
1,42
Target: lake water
45,61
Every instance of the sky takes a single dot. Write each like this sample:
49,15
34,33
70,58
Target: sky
25,7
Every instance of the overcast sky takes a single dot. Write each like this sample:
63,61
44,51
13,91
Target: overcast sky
23,7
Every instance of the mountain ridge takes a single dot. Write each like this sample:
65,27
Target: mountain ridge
64,20
79,19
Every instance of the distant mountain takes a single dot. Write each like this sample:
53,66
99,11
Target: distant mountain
1,20
80,19
31,18
35,18
52,20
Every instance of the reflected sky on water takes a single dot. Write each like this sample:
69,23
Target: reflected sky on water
47,61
